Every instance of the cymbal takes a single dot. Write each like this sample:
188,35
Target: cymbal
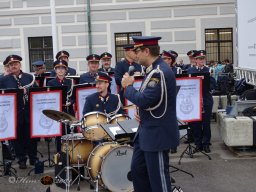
58,115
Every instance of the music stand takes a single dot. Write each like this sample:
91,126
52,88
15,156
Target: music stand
7,165
47,139
75,79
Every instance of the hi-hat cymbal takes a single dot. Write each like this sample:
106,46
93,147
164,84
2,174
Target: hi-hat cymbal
59,116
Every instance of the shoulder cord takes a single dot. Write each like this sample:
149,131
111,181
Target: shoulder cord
163,91
118,106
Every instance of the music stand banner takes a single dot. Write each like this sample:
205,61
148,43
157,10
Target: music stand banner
8,114
131,111
42,126
189,99
81,94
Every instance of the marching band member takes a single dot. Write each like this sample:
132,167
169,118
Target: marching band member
24,145
170,58
202,129
105,59
158,128
123,66
63,55
61,68
40,69
6,69
93,64
102,100
192,62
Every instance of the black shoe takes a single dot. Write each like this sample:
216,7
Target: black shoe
207,149
173,150
197,149
22,165
173,180
32,162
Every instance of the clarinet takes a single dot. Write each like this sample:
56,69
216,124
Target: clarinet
25,87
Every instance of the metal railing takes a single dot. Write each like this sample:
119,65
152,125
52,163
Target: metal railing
248,74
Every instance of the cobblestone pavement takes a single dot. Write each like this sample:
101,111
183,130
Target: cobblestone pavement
224,173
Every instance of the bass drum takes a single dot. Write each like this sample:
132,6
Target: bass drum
112,162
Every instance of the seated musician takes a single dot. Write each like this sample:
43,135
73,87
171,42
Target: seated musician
103,101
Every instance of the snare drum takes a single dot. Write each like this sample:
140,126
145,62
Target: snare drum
112,163
118,117
82,147
95,133
92,129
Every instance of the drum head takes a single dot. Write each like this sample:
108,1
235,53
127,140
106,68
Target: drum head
115,167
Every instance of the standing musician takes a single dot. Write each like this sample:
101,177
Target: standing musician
61,68
202,129
105,59
102,100
40,69
158,129
170,58
123,66
63,55
24,145
192,62
93,64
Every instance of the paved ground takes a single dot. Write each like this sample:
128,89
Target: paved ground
224,173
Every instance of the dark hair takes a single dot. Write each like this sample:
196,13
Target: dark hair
154,49
226,60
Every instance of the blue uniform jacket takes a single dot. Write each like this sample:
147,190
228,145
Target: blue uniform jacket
70,72
207,96
95,102
156,134
122,67
111,70
87,78
9,82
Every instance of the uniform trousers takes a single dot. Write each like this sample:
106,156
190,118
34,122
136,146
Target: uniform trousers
24,145
202,129
150,170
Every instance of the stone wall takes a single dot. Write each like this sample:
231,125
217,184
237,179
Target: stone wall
181,23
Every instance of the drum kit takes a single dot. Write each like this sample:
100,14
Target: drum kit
107,162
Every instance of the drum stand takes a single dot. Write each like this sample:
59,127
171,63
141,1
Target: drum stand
68,168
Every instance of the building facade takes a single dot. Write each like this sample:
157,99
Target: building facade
25,28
